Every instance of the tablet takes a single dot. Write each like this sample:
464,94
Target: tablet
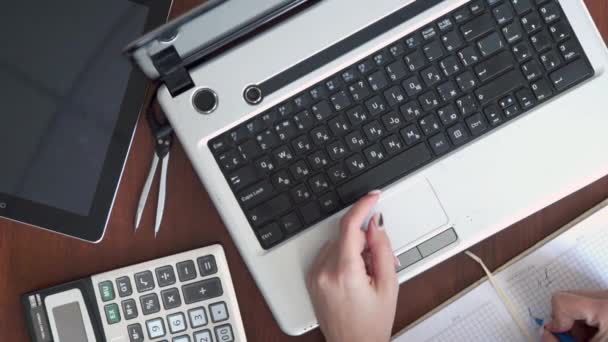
69,104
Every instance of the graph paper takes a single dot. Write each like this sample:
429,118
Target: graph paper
575,260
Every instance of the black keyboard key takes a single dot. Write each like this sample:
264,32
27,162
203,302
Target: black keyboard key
333,84
322,110
320,135
394,96
381,57
448,115
526,98
300,194
318,92
239,134
285,130
412,86
392,144
270,235
532,70
522,51
281,180
458,134
250,150
550,12
375,178
461,15
377,81
447,91
302,101
467,105
550,60
477,124
202,290
349,75
310,212
256,194
445,24
301,145
478,27
359,90
429,124
318,160
375,105
503,13
366,66
450,66
415,60
490,44
291,223
397,49
411,111
433,51
267,140
469,56
440,144
373,131
499,87
541,41
569,50
542,90
560,31
374,154
283,155
304,120
337,173
494,66
337,150
230,160
414,40
506,101
299,170
269,210
392,121
466,81
493,114
476,7
512,111
339,125
571,74
429,101
513,32
355,164
286,109
242,177
220,144
329,202
411,135
429,33
340,100
531,22
396,71
452,41
264,165
356,115
431,76
522,6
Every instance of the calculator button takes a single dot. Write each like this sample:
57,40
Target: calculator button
198,317
144,281
135,332
123,285
186,270
112,313
203,336
129,308
207,265
219,312
176,322
106,290
171,298
165,276
183,338
156,328
149,303
202,290
223,333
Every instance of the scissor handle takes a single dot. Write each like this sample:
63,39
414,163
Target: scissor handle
162,132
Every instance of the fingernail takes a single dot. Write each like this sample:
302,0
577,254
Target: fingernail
374,192
397,262
381,221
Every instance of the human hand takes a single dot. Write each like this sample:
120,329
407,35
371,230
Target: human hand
352,283
576,312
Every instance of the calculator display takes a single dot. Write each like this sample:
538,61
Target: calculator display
69,323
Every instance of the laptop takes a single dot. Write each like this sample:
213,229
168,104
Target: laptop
469,115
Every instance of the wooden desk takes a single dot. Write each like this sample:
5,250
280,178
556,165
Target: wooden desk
32,259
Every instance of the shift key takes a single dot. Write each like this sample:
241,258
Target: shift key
500,86
202,290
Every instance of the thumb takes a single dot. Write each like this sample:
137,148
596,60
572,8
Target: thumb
383,259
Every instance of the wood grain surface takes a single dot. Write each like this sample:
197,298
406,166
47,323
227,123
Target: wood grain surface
32,259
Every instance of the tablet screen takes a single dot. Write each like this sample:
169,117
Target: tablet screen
64,78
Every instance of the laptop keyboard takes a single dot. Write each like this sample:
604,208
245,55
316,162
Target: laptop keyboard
400,108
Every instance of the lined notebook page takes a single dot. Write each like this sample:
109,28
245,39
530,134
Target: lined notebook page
576,259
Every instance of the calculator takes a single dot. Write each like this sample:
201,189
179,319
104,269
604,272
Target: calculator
186,297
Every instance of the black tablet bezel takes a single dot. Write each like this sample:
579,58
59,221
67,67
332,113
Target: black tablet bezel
92,227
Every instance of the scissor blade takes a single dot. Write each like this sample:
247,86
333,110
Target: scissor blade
162,191
146,191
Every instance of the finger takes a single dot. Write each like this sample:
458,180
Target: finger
352,238
601,336
548,337
568,308
383,259
595,294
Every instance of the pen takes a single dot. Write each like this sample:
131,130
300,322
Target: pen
562,337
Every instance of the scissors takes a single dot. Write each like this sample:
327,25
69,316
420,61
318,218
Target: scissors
163,138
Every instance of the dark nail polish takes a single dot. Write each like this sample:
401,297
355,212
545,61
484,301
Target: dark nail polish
381,220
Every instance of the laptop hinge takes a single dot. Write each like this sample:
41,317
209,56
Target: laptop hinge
172,71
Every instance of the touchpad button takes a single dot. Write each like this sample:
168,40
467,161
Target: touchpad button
411,213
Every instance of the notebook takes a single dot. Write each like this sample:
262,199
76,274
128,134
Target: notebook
575,257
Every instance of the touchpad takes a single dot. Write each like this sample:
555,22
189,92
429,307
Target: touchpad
411,213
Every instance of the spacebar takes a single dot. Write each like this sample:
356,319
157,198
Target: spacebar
384,173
